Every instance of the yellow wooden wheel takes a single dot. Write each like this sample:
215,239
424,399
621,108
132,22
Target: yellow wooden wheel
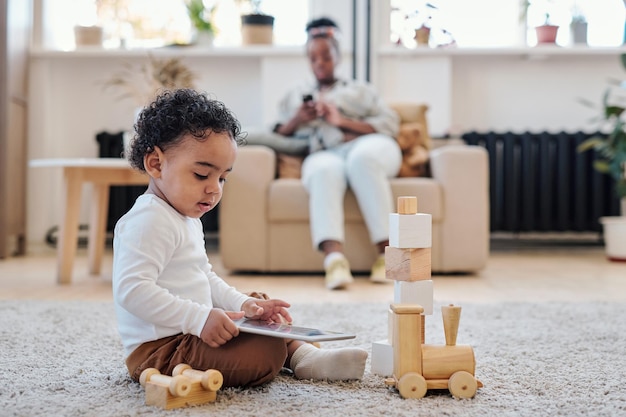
212,379
462,384
412,385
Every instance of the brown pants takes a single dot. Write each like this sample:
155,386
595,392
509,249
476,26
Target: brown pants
246,360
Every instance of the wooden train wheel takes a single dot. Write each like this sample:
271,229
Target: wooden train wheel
412,385
462,384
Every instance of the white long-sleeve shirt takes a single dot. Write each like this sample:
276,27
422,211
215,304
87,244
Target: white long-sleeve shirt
163,283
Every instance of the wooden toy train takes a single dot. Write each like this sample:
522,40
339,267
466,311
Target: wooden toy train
418,367
415,366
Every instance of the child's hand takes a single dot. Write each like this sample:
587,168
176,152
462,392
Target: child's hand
274,311
219,327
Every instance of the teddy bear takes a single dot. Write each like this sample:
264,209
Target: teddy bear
414,148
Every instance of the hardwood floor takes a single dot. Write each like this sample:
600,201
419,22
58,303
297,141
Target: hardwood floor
577,274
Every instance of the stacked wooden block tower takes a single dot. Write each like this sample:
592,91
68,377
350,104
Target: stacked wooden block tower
414,366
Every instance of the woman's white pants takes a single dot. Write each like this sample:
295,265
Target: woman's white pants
365,165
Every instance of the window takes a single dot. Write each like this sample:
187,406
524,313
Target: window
501,23
140,23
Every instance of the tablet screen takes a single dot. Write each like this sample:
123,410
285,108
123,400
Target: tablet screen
289,331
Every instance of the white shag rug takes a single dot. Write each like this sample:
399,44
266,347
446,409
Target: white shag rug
559,359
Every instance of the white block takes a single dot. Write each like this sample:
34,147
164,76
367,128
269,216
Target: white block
382,358
408,231
415,292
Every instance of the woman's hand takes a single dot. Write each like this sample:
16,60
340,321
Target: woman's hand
352,128
330,113
219,327
306,112
273,311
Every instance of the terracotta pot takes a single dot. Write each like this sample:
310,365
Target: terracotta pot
546,34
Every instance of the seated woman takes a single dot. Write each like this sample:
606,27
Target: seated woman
350,133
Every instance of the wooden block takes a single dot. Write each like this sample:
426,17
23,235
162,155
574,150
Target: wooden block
407,264
382,358
410,230
407,205
407,346
415,292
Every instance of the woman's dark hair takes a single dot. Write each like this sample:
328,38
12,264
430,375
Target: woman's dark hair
175,113
324,28
321,22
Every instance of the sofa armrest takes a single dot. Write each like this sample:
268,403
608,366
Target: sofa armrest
243,215
463,173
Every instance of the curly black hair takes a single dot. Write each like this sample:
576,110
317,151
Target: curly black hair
175,113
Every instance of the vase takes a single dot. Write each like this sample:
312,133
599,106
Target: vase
614,237
579,32
257,29
203,38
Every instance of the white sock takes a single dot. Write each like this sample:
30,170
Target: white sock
309,362
331,257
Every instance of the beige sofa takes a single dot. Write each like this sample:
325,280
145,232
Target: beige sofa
264,220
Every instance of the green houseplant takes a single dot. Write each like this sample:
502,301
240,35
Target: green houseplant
200,15
611,160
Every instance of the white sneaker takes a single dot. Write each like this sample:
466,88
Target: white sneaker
338,274
378,273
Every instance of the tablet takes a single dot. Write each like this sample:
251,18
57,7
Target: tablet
289,331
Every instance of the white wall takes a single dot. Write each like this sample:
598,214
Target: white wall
509,89
522,89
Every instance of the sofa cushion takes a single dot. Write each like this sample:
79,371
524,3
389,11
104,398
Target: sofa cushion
288,199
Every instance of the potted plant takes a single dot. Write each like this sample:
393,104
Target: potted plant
256,26
201,15
546,31
611,159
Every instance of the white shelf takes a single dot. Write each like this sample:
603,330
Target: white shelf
522,51
172,51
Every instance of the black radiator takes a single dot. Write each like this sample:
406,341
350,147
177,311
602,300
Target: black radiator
539,182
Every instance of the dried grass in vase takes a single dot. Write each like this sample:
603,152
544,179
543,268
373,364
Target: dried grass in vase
143,83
